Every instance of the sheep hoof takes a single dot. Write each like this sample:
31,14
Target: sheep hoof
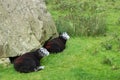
41,67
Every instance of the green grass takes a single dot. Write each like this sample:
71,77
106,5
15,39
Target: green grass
83,59
85,17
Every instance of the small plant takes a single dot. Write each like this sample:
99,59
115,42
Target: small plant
112,43
107,46
115,67
118,22
107,61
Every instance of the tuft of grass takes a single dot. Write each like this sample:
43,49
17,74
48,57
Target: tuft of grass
79,18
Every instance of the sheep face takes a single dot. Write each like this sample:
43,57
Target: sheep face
65,35
43,52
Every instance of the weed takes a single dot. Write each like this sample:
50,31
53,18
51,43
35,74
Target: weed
81,18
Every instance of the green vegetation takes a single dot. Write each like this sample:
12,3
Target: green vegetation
84,17
85,57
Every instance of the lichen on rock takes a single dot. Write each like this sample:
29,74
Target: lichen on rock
24,25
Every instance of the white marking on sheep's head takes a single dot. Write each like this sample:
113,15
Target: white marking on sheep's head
65,35
43,52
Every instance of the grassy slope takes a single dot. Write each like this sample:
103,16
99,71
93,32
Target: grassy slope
83,59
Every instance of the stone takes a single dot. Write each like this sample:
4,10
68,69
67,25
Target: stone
4,62
24,25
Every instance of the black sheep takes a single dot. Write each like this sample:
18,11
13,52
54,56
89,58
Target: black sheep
57,44
13,58
30,62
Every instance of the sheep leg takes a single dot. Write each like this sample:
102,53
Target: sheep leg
39,68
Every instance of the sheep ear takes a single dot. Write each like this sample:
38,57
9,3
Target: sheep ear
60,33
64,32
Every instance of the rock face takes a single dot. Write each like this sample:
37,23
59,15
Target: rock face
24,25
